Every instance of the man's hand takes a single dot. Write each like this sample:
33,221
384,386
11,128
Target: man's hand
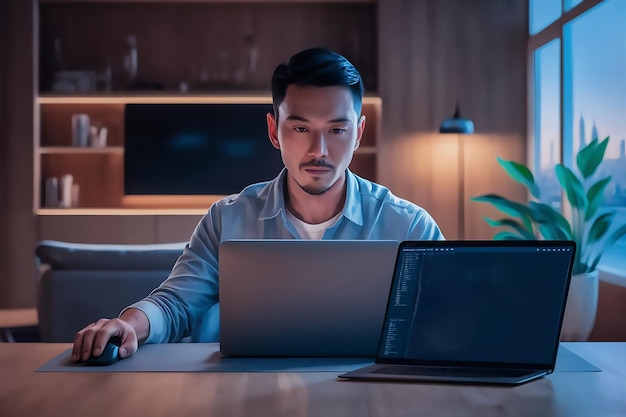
93,338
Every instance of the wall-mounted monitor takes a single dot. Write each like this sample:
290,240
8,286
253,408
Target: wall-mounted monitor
196,149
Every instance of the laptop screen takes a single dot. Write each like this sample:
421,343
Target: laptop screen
477,301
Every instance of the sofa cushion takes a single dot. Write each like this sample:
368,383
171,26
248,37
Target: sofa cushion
68,300
87,256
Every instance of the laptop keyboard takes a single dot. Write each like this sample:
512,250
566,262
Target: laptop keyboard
449,371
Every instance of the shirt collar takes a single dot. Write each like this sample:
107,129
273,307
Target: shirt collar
275,203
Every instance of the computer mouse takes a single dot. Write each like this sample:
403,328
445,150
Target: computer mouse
109,355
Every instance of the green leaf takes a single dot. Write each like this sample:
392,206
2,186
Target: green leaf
590,157
513,224
507,236
599,227
521,174
611,239
508,207
616,235
552,224
595,197
505,205
573,187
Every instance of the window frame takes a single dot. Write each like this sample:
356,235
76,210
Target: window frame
556,30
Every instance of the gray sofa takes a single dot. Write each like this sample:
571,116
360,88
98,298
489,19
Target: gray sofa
80,283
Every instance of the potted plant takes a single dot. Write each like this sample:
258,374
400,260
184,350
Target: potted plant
586,224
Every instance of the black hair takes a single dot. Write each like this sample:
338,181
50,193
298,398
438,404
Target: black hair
318,67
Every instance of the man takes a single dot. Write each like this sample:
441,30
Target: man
317,126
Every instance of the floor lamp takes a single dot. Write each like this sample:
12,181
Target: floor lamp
459,126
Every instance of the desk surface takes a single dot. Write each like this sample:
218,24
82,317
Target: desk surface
24,392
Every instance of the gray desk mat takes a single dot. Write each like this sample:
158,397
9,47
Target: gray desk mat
205,357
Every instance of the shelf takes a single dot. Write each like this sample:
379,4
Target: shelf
64,150
119,211
366,150
201,45
154,98
215,1
170,98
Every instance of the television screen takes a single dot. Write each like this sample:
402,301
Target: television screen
196,149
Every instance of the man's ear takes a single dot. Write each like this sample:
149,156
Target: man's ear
272,130
359,132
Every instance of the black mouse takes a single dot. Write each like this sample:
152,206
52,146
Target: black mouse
109,355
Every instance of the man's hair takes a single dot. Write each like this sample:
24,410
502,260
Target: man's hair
319,67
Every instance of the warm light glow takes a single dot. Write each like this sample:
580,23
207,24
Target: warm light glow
95,99
119,211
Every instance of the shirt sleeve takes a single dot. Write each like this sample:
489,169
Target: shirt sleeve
180,303
424,227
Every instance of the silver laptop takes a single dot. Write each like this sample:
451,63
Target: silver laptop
473,312
303,298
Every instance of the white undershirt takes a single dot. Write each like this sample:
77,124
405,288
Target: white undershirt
311,231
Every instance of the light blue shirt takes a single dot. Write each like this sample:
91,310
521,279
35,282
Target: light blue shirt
186,303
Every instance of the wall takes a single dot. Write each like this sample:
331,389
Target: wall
17,234
431,53
4,162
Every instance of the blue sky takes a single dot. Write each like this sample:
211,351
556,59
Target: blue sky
597,41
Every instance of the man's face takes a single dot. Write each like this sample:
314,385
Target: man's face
317,134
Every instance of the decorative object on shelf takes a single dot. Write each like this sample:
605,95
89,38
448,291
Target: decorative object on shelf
105,78
80,130
130,60
252,52
75,81
67,81
65,191
460,126
587,224
52,192
98,136
247,66
74,195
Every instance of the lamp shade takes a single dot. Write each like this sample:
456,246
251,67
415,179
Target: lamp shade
457,124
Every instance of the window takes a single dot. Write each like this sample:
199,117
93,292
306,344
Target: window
593,101
547,121
542,13
570,4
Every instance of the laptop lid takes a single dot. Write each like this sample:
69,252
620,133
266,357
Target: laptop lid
290,298
476,304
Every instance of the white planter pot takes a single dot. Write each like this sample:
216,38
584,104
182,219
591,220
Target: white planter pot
580,310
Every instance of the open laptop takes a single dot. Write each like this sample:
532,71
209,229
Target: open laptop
473,312
303,298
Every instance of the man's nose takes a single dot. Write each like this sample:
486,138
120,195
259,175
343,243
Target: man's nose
319,147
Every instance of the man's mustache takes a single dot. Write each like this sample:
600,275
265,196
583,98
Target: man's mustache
317,163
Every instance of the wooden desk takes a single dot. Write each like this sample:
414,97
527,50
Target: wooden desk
24,392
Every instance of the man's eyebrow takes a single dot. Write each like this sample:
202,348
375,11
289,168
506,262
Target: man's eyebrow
341,120
303,119
296,117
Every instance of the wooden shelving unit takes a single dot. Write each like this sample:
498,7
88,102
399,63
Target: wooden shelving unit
200,44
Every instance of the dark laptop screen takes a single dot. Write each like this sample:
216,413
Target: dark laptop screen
499,302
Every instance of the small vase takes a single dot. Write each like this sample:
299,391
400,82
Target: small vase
581,307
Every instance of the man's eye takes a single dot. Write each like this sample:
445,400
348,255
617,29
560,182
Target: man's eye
300,129
338,130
